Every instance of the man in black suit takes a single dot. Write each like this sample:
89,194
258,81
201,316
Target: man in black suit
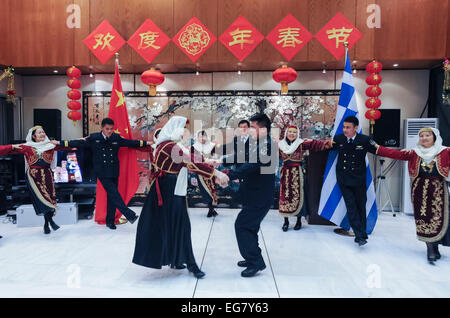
258,188
105,146
351,174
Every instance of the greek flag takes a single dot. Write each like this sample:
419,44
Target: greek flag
332,205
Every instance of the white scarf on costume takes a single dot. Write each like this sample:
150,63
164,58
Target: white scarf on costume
40,148
289,149
429,154
173,130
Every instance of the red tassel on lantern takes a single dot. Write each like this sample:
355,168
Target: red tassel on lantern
152,78
284,75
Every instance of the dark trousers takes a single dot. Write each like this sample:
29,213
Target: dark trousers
247,226
355,199
114,200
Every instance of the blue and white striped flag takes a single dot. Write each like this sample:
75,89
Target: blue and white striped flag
332,205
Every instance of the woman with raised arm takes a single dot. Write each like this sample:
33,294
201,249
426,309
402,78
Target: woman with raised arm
40,160
164,231
428,165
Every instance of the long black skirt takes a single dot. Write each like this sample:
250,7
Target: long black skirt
164,232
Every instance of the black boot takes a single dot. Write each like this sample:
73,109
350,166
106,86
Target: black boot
46,227
285,225
52,223
431,254
298,225
211,212
193,268
436,250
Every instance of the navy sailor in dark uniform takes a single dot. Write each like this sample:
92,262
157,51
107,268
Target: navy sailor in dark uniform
258,189
351,174
105,147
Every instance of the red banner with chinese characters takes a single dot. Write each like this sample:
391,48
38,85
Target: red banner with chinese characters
335,33
289,37
104,41
241,38
148,40
194,39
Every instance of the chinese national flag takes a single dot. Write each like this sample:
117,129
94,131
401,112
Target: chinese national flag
128,178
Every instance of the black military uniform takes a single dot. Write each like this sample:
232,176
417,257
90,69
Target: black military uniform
106,167
257,191
351,178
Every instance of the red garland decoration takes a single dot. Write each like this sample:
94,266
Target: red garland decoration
74,94
373,92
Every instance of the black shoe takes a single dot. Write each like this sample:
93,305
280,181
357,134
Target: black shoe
133,218
46,229
285,226
210,214
431,254
111,226
362,242
251,271
298,225
436,250
215,213
242,264
193,268
180,266
54,225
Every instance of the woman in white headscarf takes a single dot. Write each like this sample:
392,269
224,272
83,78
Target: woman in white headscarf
164,231
292,149
428,165
40,160
208,188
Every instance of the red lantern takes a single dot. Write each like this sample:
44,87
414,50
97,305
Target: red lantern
74,94
284,75
374,79
373,103
373,91
74,115
152,78
73,72
74,83
74,105
374,67
373,114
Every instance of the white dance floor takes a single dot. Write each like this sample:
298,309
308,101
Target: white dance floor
89,260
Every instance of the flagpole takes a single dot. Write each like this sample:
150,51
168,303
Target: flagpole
117,58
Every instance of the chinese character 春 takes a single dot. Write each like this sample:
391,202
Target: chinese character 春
288,37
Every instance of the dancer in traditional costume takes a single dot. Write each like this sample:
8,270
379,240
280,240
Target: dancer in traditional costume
292,149
428,165
164,231
208,188
40,160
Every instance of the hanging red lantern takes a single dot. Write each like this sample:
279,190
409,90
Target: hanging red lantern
73,72
284,75
74,94
374,79
374,67
373,91
74,83
373,103
373,114
74,105
74,116
152,78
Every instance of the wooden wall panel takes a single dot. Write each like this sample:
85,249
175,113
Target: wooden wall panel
412,29
81,52
35,33
206,12
364,48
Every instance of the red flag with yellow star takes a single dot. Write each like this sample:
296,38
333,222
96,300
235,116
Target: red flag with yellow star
128,178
